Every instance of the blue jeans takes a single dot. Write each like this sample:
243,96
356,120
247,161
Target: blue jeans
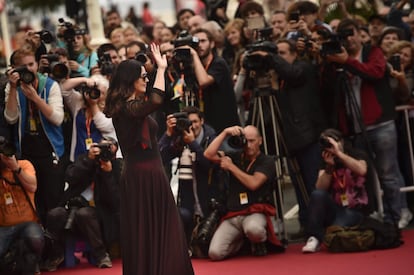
31,232
323,212
309,160
383,141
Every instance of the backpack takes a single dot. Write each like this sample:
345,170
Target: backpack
349,239
387,235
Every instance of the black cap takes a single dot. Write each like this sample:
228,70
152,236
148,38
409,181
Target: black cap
379,17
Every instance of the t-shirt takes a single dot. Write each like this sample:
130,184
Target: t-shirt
14,206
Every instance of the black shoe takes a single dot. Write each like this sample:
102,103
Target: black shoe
259,249
52,264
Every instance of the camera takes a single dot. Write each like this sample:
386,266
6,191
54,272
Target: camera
106,153
210,223
92,92
185,167
335,41
183,123
294,16
237,142
105,64
68,35
25,75
6,147
186,39
325,143
395,61
255,62
56,68
73,205
46,36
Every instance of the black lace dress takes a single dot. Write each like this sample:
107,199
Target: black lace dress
152,236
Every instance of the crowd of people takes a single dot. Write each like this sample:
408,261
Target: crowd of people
88,136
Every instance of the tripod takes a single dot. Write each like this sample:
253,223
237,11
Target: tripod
263,96
355,119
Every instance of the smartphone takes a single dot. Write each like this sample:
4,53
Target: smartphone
294,16
395,62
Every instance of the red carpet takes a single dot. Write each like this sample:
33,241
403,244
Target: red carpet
399,261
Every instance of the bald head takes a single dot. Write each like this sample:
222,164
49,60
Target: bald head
195,23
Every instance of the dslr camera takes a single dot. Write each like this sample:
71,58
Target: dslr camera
183,123
25,75
6,148
105,64
56,68
92,92
325,143
106,153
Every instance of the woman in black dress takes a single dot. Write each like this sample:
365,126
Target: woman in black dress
152,236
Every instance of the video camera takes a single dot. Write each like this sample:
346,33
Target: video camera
105,64
25,75
334,42
184,38
56,68
92,92
182,59
255,62
6,147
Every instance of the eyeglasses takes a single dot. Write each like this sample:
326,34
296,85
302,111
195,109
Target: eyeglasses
144,76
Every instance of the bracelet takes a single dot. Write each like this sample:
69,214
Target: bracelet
17,171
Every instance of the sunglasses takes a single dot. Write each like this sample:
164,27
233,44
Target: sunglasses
144,76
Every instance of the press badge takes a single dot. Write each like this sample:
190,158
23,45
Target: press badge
32,123
243,198
88,143
344,200
8,198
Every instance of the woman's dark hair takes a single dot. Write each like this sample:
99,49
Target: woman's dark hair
122,86
390,30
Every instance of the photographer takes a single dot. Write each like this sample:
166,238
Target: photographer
366,110
249,197
20,231
342,195
302,118
216,98
85,98
34,104
82,57
190,132
90,205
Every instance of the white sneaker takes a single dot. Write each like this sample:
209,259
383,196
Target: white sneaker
312,245
406,217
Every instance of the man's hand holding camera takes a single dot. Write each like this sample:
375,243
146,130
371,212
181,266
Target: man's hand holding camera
95,153
188,135
339,58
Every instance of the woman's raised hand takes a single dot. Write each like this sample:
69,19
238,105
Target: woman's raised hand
161,60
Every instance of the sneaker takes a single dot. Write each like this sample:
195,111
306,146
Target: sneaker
406,217
52,264
312,245
105,262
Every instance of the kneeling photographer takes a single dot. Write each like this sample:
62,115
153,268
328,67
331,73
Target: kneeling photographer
88,205
249,197
21,235
187,137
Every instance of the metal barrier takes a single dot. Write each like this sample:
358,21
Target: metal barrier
406,109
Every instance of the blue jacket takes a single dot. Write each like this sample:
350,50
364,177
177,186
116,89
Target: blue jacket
54,133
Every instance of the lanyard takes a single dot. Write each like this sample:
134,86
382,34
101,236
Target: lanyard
342,183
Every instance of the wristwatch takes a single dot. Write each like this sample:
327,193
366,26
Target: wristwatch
17,171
